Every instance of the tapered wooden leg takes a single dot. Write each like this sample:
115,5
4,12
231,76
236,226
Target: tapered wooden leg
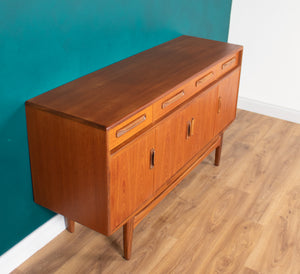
127,238
218,152
70,225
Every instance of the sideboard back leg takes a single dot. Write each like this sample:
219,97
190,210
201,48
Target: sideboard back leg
127,238
218,152
70,225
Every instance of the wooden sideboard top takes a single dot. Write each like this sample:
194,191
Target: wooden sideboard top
110,95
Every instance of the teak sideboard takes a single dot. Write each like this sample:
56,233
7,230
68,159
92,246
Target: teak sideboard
106,148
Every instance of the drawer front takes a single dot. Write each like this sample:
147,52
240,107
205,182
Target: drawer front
228,64
175,98
181,94
128,128
172,100
206,78
199,82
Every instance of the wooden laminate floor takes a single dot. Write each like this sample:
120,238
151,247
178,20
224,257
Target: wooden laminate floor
240,217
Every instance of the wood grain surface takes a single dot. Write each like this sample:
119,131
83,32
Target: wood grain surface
240,217
227,100
130,186
61,153
174,146
114,139
110,95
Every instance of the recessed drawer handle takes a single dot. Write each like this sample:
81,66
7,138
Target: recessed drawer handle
173,99
204,79
228,63
130,126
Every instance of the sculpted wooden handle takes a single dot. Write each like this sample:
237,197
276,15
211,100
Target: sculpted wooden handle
173,99
228,63
219,104
190,128
203,79
130,126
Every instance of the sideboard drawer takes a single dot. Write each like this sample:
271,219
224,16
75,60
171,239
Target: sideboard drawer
172,100
206,78
181,94
128,128
229,64
196,84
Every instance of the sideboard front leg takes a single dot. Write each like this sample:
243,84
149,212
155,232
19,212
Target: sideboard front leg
218,152
70,225
127,238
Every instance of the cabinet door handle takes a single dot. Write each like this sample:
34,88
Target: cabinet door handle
204,78
190,128
228,63
188,132
130,126
219,104
173,99
152,158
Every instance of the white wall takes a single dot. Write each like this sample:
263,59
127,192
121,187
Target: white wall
269,30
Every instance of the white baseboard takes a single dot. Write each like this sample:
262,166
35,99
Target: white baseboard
31,244
269,109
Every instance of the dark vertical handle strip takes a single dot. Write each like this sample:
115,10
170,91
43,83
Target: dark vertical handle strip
152,158
188,133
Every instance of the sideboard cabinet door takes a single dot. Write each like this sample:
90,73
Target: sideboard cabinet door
170,138
131,177
199,118
227,100
183,134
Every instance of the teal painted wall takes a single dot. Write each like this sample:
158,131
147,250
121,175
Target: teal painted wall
44,44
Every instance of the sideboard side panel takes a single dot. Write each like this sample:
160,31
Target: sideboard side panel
68,166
